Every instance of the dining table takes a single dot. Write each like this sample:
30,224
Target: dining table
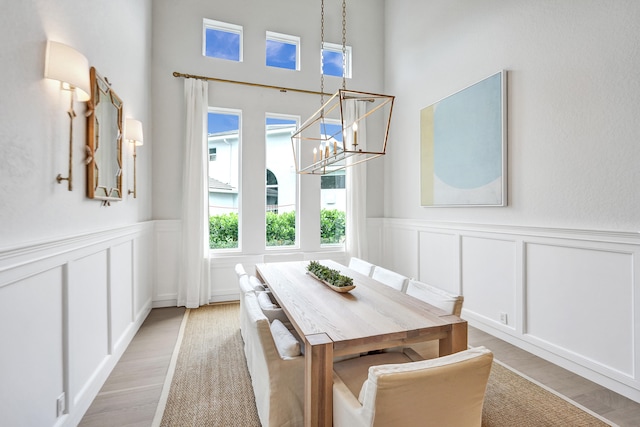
371,316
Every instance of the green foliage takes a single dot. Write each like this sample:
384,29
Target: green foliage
223,231
332,226
281,229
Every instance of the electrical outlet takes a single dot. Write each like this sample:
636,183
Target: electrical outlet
61,405
503,317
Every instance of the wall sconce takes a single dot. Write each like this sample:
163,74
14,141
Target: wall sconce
71,69
133,134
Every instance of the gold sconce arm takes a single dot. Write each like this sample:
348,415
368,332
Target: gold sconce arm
72,115
133,134
71,69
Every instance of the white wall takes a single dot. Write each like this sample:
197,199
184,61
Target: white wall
34,136
573,149
560,259
75,277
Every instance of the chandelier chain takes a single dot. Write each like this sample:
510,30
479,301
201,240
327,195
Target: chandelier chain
321,52
344,44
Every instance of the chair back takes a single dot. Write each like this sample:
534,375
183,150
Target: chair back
448,302
361,266
390,278
240,271
277,380
447,391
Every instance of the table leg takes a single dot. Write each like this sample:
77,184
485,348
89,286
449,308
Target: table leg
318,381
456,340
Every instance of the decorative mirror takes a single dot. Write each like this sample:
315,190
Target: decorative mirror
104,141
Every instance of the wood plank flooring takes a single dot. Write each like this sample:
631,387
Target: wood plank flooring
130,395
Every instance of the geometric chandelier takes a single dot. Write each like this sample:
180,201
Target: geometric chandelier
362,134
350,128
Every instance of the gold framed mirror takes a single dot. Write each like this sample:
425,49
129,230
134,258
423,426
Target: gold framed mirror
104,141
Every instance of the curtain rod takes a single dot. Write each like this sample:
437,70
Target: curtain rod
280,88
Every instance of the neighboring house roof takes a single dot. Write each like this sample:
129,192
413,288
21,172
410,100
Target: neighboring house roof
214,185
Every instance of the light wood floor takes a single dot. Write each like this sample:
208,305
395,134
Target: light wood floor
131,393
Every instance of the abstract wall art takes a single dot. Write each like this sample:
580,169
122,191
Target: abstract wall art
463,147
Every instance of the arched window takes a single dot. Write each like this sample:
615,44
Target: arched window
272,192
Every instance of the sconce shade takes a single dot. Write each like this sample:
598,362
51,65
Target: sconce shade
68,66
133,131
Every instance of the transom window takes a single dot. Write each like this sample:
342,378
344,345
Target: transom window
283,51
332,63
222,40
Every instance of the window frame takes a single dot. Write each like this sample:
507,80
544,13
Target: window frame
286,39
225,27
238,112
297,245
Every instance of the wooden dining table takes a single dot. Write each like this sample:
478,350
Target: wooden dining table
372,316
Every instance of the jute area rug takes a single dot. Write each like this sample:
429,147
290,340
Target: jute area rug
208,383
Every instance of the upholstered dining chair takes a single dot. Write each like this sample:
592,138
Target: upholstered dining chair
380,390
440,298
390,278
240,271
276,366
448,302
271,309
245,287
361,266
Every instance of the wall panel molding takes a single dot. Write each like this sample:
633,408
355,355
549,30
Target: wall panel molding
88,311
570,296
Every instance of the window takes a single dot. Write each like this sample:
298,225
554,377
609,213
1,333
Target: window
283,51
281,182
332,62
222,40
272,192
224,187
333,196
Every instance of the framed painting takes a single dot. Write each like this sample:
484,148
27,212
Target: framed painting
463,147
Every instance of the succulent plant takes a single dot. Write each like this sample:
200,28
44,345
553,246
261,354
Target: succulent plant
331,276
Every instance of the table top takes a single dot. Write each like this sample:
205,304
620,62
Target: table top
370,317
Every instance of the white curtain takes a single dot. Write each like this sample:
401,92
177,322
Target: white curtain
356,183
193,285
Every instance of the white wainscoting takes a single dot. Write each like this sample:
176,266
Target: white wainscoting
68,310
569,296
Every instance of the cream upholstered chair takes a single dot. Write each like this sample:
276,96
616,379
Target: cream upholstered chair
361,266
448,302
390,278
245,288
444,392
276,367
271,309
247,284
240,271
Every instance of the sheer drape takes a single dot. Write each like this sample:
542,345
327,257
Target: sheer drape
356,183
193,285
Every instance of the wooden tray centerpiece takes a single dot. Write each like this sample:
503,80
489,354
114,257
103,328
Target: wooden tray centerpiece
332,278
